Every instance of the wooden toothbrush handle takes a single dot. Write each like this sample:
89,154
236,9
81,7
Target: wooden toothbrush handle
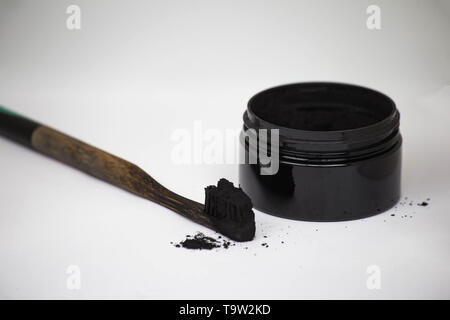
97,163
112,169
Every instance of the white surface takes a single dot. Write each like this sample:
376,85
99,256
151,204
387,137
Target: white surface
138,70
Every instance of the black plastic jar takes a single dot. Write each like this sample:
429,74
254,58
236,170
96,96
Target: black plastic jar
339,152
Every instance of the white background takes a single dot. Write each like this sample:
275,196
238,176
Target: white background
138,70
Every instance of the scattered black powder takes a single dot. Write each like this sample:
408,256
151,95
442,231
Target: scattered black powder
200,242
226,244
410,203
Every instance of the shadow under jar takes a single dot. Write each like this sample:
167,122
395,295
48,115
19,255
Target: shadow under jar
339,152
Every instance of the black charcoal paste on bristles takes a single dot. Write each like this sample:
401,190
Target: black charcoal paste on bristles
230,211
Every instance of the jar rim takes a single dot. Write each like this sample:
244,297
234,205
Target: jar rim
383,129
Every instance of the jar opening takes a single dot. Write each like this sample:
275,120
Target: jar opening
321,107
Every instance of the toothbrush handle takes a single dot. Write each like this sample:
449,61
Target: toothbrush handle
96,162
79,155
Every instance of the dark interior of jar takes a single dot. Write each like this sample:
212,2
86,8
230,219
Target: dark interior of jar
321,107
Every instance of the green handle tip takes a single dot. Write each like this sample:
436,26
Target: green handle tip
8,112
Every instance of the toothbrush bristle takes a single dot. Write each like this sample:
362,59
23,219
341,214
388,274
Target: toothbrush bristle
230,210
